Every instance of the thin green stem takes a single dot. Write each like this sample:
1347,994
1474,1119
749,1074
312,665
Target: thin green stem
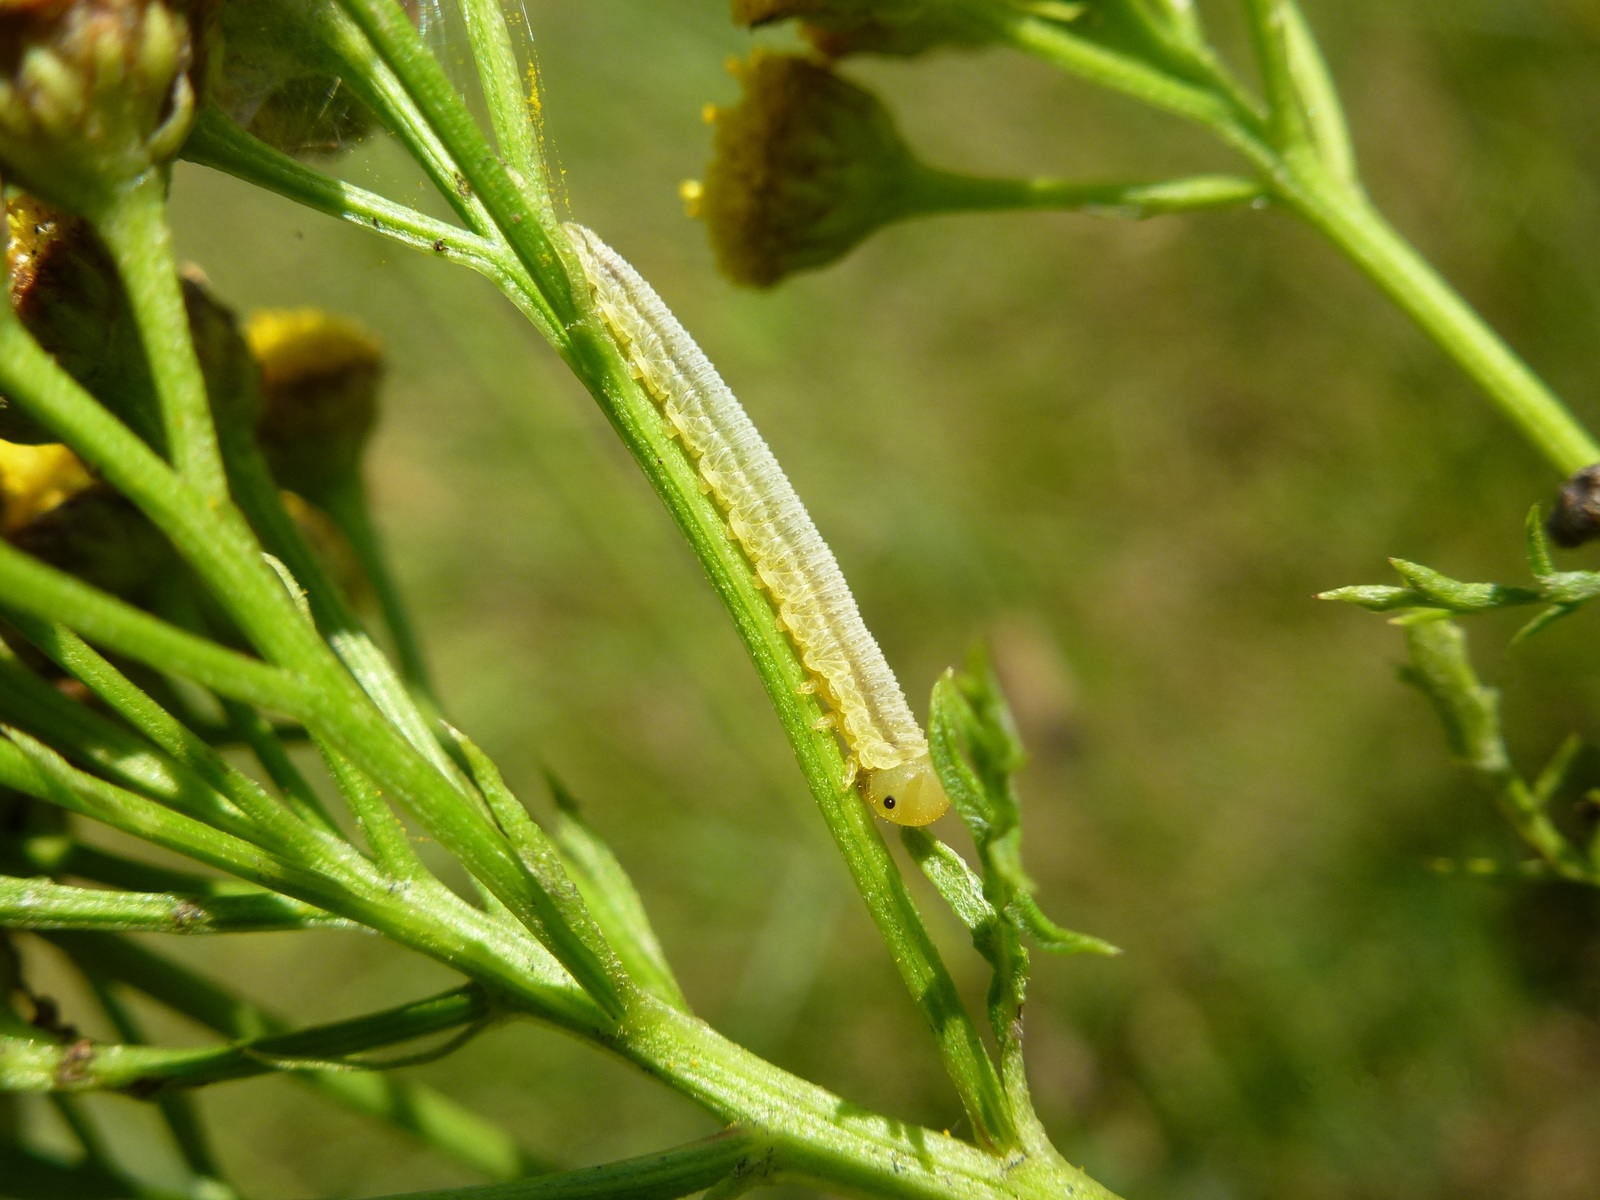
1318,186
1268,20
219,143
134,229
537,248
266,744
1214,107
385,833
190,753
510,112
320,691
1319,97
40,1066
949,192
40,904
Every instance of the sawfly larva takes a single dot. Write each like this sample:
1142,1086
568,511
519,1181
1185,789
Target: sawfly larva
767,519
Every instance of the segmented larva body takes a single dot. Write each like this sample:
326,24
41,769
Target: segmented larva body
769,522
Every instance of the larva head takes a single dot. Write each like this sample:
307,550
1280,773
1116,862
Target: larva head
909,794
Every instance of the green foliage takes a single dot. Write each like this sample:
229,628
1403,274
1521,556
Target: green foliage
258,624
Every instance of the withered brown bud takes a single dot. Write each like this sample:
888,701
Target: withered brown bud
1576,516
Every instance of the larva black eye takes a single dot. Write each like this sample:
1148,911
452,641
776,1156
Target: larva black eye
888,801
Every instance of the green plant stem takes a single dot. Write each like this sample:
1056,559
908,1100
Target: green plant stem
257,732
1268,20
949,192
1319,97
1470,712
190,754
509,110
539,249
39,1066
435,1119
40,904
1368,240
1306,167
1212,106
819,1140
134,230
339,881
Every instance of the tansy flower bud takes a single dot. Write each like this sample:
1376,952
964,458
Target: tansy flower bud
319,396
804,168
95,93
897,27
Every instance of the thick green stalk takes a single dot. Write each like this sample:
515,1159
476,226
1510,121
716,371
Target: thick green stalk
855,831
134,229
1357,228
819,1140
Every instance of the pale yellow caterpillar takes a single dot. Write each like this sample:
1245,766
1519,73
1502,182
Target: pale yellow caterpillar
767,519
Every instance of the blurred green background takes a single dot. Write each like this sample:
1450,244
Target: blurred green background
1127,454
